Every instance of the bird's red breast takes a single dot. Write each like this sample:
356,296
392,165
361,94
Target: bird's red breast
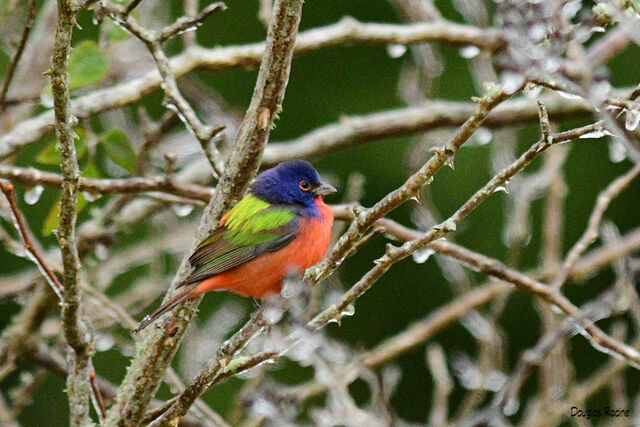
264,275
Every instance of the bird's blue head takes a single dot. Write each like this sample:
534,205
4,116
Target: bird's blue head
292,182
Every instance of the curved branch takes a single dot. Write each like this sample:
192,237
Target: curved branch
345,32
356,130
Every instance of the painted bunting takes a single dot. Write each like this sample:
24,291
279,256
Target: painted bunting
280,228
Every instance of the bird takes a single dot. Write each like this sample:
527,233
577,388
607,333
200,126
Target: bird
279,229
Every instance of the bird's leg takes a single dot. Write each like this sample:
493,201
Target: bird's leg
256,302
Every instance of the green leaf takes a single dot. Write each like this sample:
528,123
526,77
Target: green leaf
49,156
51,221
118,147
87,65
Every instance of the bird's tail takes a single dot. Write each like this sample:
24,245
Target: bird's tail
183,295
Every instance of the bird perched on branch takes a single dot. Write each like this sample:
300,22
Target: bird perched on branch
280,228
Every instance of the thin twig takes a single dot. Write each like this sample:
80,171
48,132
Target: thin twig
49,275
152,137
555,370
545,127
604,255
437,361
31,17
592,231
187,23
97,393
190,10
129,8
174,98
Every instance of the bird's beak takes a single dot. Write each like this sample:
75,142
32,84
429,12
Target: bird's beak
323,189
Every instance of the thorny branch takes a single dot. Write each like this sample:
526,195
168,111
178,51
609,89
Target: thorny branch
442,156
486,265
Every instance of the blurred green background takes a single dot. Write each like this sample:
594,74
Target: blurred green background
325,85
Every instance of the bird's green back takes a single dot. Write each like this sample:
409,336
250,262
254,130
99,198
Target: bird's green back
251,228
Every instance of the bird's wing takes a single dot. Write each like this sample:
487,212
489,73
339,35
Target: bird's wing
251,228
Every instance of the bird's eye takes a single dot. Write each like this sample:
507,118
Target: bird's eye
304,185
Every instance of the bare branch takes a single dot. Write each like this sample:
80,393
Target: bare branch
187,23
31,176
166,123
174,100
592,231
345,32
221,365
52,279
423,330
31,15
353,131
79,353
97,393
437,361
604,255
